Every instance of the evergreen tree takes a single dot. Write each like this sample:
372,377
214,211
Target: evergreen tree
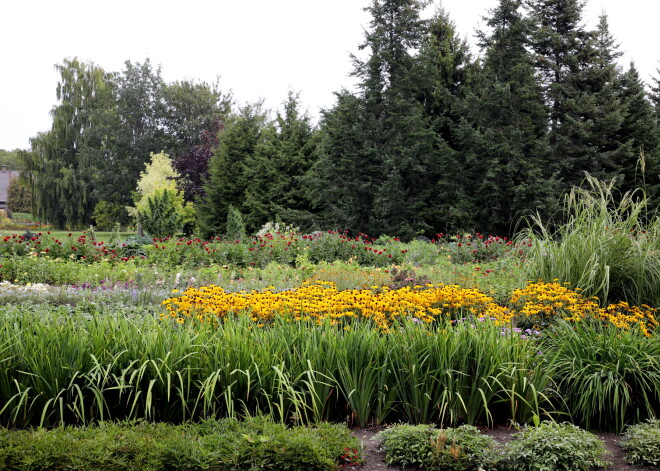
376,146
502,138
563,50
639,130
228,182
341,180
274,171
655,93
612,156
445,77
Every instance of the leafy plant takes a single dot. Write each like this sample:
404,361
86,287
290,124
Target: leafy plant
227,445
641,443
235,225
161,217
554,447
454,449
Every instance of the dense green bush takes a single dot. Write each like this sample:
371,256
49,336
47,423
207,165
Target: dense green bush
641,443
235,225
554,447
162,216
19,196
256,444
453,449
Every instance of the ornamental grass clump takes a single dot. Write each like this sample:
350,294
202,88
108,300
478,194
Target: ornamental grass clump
607,377
608,246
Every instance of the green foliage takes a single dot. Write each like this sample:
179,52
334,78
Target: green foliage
162,216
61,167
406,445
157,370
243,134
256,444
607,246
554,447
19,196
641,443
159,204
606,377
235,226
453,449
107,215
12,159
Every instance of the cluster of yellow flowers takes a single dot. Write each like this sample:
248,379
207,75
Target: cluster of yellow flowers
321,302
541,302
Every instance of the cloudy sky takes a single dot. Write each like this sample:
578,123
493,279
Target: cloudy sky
258,48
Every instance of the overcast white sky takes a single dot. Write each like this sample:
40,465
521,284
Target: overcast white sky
259,48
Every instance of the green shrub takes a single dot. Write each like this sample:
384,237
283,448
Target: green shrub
454,449
162,217
554,447
641,443
406,445
235,225
19,196
256,444
107,215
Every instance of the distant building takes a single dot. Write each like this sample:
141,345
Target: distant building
5,177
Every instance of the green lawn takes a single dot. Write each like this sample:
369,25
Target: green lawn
24,221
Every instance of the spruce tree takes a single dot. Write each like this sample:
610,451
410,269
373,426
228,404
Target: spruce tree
228,179
563,51
275,169
611,155
446,74
655,93
639,130
374,144
502,138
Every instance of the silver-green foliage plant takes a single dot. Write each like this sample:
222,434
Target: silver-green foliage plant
235,225
453,449
641,443
608,246
554,447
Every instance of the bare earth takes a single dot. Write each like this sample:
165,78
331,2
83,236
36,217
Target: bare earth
374,459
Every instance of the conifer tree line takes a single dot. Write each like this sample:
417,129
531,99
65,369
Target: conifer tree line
433,138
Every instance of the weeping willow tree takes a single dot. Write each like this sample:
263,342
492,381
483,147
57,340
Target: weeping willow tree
60,168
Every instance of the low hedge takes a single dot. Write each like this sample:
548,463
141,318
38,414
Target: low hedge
255,444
